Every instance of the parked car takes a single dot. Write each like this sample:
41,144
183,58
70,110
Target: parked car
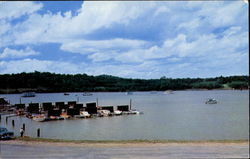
5,134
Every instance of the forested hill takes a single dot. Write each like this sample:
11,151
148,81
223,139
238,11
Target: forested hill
51,82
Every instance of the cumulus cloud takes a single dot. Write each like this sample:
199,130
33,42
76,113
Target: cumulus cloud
204,46
11,10
139,39
4,26
12,53
94,15
86,46
60,27
30,65
218,13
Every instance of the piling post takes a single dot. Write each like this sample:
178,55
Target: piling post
97,102
13,123
38,132
6,119
130,104
0,117
23,126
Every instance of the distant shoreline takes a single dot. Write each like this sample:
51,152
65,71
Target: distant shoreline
50,82
15,92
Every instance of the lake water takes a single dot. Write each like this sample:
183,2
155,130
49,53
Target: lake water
182,115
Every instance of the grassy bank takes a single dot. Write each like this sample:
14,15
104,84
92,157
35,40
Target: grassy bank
31,139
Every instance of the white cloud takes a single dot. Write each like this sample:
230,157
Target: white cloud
160,10
98,14
221,14
86,46
102,56
141,71
30,65
191,30
210,47
92,16
193,24
12,53
10,10
4,27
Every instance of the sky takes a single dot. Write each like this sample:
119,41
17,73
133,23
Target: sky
143,39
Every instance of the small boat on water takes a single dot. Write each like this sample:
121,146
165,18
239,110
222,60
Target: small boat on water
169,92
66,94
135,112
83,114
29,94
39,118
117,112
64,115
132,112
104,112
211,101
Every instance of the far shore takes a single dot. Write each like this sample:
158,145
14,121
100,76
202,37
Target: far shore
14,91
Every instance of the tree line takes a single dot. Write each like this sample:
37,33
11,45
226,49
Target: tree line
51,82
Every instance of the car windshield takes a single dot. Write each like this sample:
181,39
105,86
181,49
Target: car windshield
3,130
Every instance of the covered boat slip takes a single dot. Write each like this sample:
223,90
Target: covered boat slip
64,110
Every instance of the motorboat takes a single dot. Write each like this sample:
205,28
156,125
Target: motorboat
117,112
64,115
134,112
169,92
83,114
66,94
39,118
60,118
211,101
104,112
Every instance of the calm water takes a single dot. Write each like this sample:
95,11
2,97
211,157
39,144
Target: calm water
179,116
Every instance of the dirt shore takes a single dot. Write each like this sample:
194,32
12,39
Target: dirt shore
109,150
122,143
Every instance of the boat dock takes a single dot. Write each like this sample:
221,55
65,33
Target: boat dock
63,110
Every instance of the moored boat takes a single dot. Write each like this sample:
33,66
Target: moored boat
83,114
104,112
117,112
134,112
169,92
39,118
211,101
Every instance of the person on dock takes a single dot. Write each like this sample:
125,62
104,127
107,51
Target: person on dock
21,132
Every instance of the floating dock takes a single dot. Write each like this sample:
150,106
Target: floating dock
63,110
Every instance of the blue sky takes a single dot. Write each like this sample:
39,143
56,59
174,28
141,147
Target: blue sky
151,39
